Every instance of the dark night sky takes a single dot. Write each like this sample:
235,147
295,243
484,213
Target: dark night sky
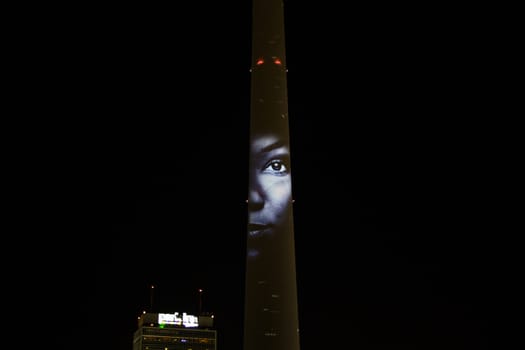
144,173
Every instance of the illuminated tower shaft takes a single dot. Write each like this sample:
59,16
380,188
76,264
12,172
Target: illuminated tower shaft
271,312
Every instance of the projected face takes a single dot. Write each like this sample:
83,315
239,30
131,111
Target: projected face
270,192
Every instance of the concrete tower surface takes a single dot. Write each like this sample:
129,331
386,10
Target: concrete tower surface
271,311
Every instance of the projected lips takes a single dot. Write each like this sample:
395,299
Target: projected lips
255,230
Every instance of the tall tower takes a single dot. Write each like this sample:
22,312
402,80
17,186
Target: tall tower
271,312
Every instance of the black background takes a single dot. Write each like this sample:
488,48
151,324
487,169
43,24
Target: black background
138,158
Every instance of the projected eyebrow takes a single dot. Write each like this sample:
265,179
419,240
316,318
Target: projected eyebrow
273,146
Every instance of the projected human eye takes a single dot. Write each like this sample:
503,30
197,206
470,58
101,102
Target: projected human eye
277,167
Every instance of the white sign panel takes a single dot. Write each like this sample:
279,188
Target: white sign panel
186,320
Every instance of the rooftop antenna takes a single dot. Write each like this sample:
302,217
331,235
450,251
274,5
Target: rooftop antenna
151,290
200,301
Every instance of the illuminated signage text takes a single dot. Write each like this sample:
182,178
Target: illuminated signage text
186,320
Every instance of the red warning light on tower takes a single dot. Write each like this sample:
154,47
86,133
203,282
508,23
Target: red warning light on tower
259,61
277,61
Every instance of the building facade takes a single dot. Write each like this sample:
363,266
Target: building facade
175,331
